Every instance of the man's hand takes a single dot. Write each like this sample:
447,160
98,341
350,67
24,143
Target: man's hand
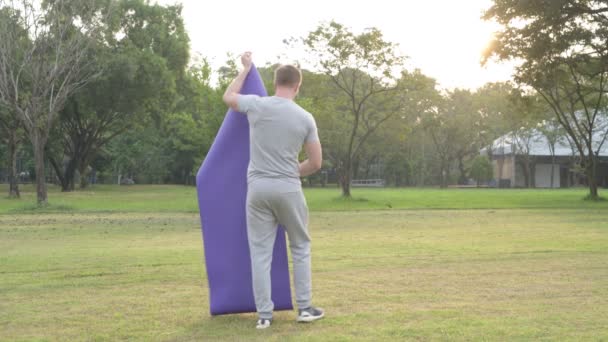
232,92
314,153
246,60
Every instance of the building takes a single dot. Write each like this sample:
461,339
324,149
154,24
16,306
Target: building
522,159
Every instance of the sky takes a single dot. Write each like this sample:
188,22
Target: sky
443,38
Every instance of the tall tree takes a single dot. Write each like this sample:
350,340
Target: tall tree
197,116
36,82
439,123
523,124
363,66
554,133
513,116
469,126
563,46
11,133
140,155
140,69
497,108
400,141
453,124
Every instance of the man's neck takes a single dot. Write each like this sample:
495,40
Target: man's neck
285,93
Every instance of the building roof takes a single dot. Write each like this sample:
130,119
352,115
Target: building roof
537,143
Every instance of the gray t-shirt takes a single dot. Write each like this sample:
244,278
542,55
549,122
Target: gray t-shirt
278,127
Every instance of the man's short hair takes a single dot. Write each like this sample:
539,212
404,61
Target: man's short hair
287,76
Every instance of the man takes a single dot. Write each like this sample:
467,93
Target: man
278,128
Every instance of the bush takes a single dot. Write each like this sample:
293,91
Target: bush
481,170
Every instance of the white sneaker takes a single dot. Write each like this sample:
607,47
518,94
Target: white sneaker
310,314
263,323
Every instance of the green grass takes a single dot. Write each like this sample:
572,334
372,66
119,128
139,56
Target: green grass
105,198
136,272
167,198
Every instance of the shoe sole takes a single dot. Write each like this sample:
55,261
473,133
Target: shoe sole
310,318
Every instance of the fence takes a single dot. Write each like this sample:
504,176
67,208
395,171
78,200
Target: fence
371,183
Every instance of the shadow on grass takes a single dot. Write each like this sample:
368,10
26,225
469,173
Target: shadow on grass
224,327
598,199
349,199
360,200
32,208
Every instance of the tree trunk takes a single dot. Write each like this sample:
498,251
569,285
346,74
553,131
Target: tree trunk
67,184
442,177
345,180
58,172
38,146
84,180
353,166
13,148
462,179
66,177
422,172
591,177
552,169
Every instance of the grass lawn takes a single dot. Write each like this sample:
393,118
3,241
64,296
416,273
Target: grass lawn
126,263
163,198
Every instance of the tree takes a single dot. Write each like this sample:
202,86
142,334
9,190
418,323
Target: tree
400,143
140,155
191,127
500,117
56,62
513,116
563,46
454,127
439,124
363,67
320,96
528,114
554,133
140,70
12,134
10,127
481,169
172,149
469,126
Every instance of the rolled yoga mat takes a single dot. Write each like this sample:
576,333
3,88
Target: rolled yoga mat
221,185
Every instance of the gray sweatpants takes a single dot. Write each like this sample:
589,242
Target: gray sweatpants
270,203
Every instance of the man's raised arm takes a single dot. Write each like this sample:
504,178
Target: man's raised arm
232,92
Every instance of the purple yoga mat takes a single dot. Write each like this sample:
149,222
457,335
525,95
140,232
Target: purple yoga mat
221,184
